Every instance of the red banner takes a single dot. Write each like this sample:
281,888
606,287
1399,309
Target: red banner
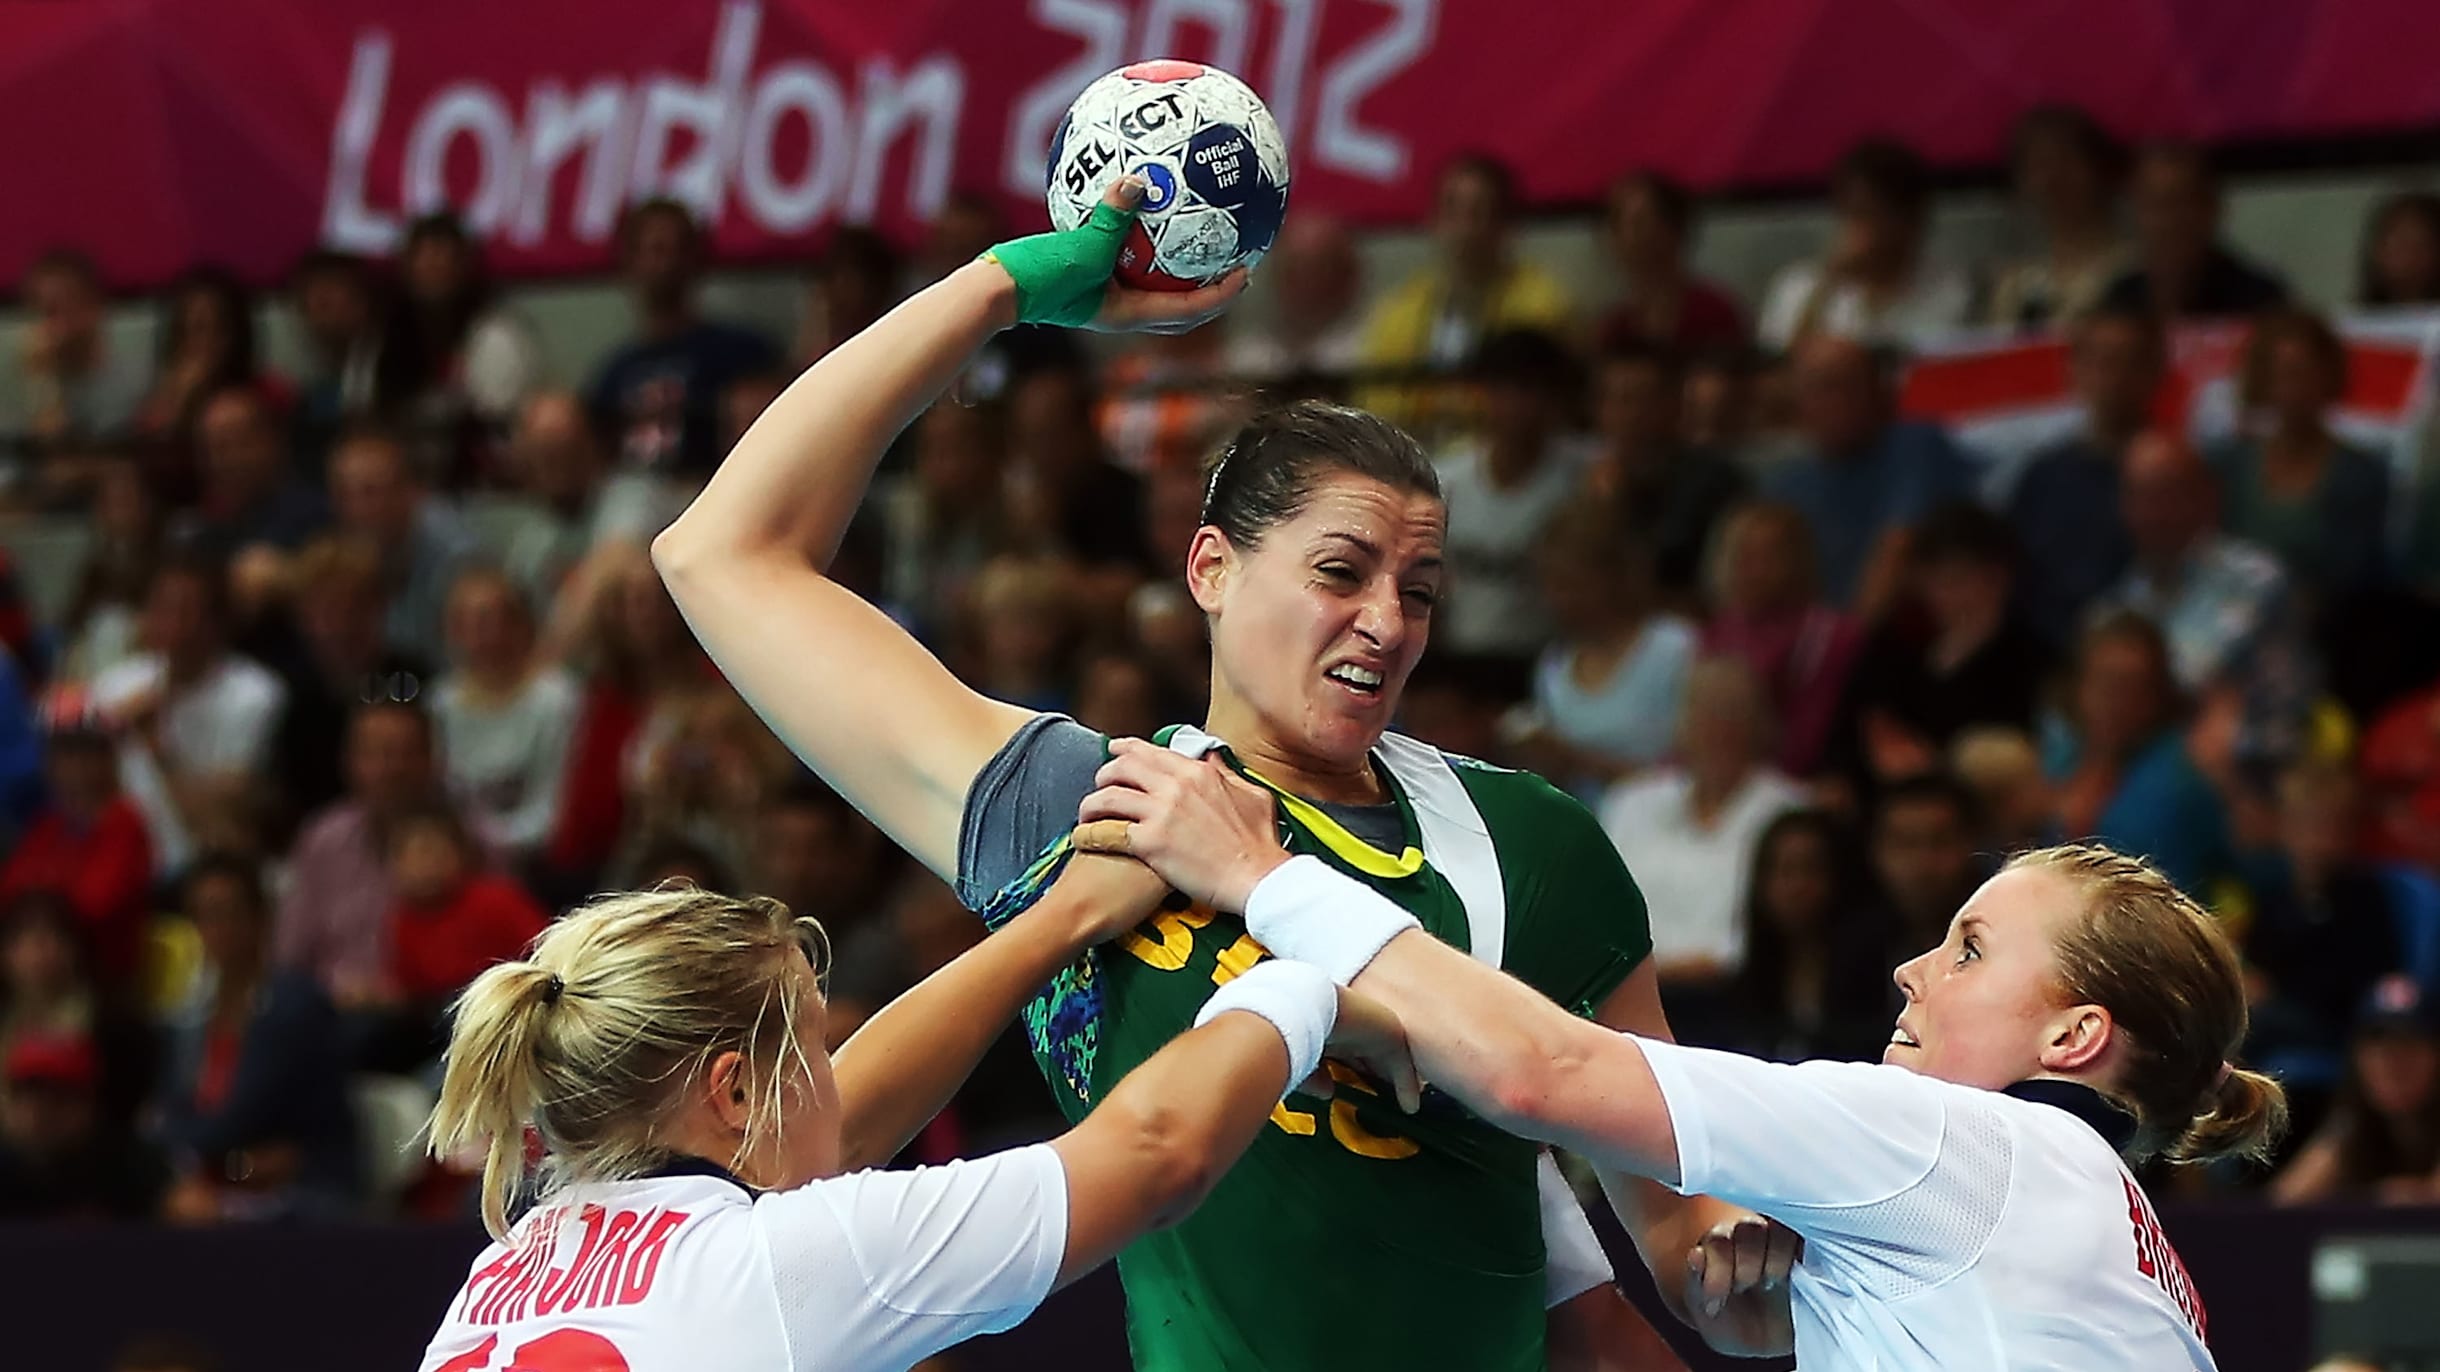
161,133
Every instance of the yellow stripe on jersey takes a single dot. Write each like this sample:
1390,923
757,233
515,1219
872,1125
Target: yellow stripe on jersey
1351,850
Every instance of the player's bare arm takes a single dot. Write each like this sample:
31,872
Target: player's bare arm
849,691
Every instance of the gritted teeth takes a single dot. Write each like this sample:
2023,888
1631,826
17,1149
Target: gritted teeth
1362,678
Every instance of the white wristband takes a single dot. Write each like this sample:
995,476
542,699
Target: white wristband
1298,1001
1307,911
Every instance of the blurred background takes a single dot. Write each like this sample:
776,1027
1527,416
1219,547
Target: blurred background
1877,437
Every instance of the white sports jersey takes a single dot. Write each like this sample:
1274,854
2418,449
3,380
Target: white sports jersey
870,1272
1945,1227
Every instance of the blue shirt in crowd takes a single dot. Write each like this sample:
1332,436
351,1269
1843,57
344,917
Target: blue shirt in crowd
2065,512
660,397
1851,501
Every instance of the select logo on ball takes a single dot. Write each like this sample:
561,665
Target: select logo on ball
1160,186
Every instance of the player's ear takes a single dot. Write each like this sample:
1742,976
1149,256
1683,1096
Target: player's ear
724,1089
2076,1038
1210,560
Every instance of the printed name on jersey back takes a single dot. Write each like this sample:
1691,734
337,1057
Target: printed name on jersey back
2157,1259
615,1263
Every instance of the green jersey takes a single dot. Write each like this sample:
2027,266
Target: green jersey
1353,1236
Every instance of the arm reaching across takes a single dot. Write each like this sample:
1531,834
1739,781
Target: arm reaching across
882,720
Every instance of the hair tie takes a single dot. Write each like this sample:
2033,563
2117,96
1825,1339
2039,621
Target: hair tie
2227,1070
553,989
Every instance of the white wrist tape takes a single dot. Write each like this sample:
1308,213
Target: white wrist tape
1309,912
1298,1001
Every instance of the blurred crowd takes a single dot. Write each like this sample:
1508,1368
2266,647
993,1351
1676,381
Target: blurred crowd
366,673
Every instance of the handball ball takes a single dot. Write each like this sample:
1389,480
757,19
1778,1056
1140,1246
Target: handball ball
1214,166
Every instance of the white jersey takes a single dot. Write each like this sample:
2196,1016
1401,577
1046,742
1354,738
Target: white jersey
870,1272
1944,1226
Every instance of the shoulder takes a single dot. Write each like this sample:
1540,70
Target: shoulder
123,679
2247,567
1633,802
250,681
554,687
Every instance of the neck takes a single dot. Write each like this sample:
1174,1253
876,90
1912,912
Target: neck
1956,641
184,668
1513,458
1715,781
1351,782
2077,236
496,678
2298,435
664,318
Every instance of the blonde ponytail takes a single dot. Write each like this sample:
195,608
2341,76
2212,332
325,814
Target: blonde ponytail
606,1026
493,1085
2242,1117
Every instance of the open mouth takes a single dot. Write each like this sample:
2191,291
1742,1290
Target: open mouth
1901,1037
1363,681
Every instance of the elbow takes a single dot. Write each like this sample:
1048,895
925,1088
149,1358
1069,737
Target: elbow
678,553
1179,1161
1521,1099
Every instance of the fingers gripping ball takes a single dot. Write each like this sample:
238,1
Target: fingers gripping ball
1213,164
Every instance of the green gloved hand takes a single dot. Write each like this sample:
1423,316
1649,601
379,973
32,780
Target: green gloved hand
1062,276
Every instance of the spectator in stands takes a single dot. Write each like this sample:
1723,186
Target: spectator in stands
359,371
1023,630
376,497
560,469
334,657
2399,765
1504,487
1648,225
475,355
1864,475
853,283
331,915
2068,170
505,715
1816,978
248,492
640,666
2322,930
703,777
2002,770
1720,409
207,345
1161,406
2401,256
452,919
966,226
1165,624
20,749
2233,625
1875,283
945,519
1118,694
60,1159
1608,690
814,854
253,1098
1671,493
2382,1138
194,720
2181,268
2122,771
2065,504
659,393
667,860
1475,286
1689,832
1768,613
1317,284
128,541
73,387
1064,489
88,845
2291,486
1964,659
1923,859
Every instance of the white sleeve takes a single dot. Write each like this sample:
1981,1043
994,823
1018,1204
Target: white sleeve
1573,1260
932,1257
1885,1173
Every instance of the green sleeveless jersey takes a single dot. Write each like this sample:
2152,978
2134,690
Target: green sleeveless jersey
1352,1236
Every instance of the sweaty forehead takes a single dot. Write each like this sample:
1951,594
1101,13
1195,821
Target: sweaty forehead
1403,525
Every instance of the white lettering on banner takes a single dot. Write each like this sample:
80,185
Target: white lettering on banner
624,132
1102,24
708,110
1229,21
934,90
1340,142
801,88
473,109
557,124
